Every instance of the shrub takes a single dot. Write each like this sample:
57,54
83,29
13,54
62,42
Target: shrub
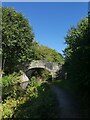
9,85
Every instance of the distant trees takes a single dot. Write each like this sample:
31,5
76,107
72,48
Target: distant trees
46,53
77,55
17,38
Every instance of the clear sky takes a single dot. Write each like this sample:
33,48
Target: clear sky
50,21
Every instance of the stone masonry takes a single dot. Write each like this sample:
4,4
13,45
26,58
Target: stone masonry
50,66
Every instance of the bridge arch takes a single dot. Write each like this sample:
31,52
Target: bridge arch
36,71
50,66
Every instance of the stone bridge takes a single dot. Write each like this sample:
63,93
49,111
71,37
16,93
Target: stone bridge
50,66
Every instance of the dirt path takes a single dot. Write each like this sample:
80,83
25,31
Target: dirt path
68,105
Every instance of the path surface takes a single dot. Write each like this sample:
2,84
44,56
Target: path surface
68,105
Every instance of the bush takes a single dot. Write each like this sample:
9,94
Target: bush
8,108
9,85
41,102
37,101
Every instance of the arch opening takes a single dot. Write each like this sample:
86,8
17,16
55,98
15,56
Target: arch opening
41,74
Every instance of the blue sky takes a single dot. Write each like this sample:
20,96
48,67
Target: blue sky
51,21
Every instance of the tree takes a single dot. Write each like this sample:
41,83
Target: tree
77,55
17,38
46,53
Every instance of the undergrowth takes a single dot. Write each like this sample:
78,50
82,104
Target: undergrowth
36,101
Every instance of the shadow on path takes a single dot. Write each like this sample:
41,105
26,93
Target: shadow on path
68,105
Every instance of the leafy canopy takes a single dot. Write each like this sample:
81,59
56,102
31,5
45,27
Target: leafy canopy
17,38
77,55
46,53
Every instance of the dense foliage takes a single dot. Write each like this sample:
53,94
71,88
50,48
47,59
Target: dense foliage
46,53
77,56
10,85
17,39
37,101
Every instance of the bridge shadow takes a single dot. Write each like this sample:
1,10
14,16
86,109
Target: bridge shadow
43,105
39,73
